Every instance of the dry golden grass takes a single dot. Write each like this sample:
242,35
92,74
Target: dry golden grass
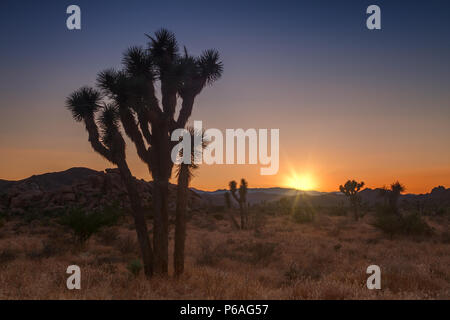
326,259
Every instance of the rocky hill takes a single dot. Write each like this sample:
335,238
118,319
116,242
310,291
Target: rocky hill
75,187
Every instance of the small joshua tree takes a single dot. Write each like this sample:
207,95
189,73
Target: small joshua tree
184,174
241,200
351,190
392,195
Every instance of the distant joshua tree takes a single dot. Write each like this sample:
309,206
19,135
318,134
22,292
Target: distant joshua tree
147,122
392,195
241,200
351,190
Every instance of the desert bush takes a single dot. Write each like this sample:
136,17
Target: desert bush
389,222
135,267
85,223
303,214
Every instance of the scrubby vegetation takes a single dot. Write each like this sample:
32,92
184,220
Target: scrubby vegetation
303,214
135,267
292,248
324,259
410,224
84,224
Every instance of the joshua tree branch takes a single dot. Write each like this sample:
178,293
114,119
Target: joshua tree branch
132,131
144,125
94,138
186,110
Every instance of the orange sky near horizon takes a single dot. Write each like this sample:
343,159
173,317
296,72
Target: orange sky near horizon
24,163
314,146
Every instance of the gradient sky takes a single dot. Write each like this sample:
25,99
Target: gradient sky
349,102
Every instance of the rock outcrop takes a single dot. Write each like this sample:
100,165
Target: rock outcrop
78,187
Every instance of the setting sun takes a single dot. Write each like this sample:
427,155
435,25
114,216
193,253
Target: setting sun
301,182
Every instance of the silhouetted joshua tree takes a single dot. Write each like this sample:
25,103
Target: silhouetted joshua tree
149,123
241,200
184,173
84,104
393,195
351,189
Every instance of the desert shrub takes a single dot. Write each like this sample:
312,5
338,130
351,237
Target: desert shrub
303,214
85,223
415,225
389,222
135,267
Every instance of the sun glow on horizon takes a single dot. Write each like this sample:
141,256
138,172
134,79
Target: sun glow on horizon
301,181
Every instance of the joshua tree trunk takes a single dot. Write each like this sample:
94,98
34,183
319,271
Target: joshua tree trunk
180,221
160,233
139,217
246,214
233,220
161,174
241,210
355,210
